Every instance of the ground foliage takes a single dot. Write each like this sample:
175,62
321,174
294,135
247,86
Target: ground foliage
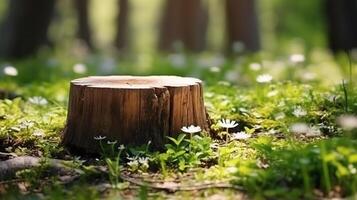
292,139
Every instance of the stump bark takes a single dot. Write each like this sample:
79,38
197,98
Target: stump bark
132,110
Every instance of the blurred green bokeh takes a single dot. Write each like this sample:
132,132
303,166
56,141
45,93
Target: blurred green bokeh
283,24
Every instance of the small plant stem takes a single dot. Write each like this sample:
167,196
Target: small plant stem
227,135
117,168
306,180
345,92
189,145
163,167
325,170
101,147
350,66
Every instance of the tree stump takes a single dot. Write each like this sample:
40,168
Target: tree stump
132,109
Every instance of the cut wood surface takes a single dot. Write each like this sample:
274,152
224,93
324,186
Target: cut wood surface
132,109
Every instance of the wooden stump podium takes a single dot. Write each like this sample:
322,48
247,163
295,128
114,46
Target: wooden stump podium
132,109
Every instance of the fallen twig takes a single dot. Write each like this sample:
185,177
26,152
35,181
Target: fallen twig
8,168
6,155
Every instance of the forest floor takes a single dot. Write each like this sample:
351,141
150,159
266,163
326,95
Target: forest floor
292,135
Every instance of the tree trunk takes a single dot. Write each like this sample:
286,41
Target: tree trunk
183,21
84,30
132,110
242,26
342,24
25,27
121,39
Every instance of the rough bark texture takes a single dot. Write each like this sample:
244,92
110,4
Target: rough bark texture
342,24
25,27
242,24
84,31
132,110
122,25
183,21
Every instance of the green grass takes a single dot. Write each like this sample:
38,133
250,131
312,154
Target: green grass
296,148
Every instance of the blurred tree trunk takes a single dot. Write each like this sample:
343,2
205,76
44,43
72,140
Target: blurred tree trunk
84,30
25,27
183,21
242,26
342,24
121,39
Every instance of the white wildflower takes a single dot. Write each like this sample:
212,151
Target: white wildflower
214,69
134,165
272,93
121,147
281,104
279,116
299,128
264,78
347,122
38,133
271,132
99,137
143,160
240,136
255,66
10,71
112,142
144,163
191,129
297,58
132,158
227,123
80,68
38,100
352,169
26,124
299,112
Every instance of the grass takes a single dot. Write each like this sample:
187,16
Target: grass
296,149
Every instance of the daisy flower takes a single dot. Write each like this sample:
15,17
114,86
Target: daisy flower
227,123
240,136
299,112
37,100
264,78
191,129
10,71
99,137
